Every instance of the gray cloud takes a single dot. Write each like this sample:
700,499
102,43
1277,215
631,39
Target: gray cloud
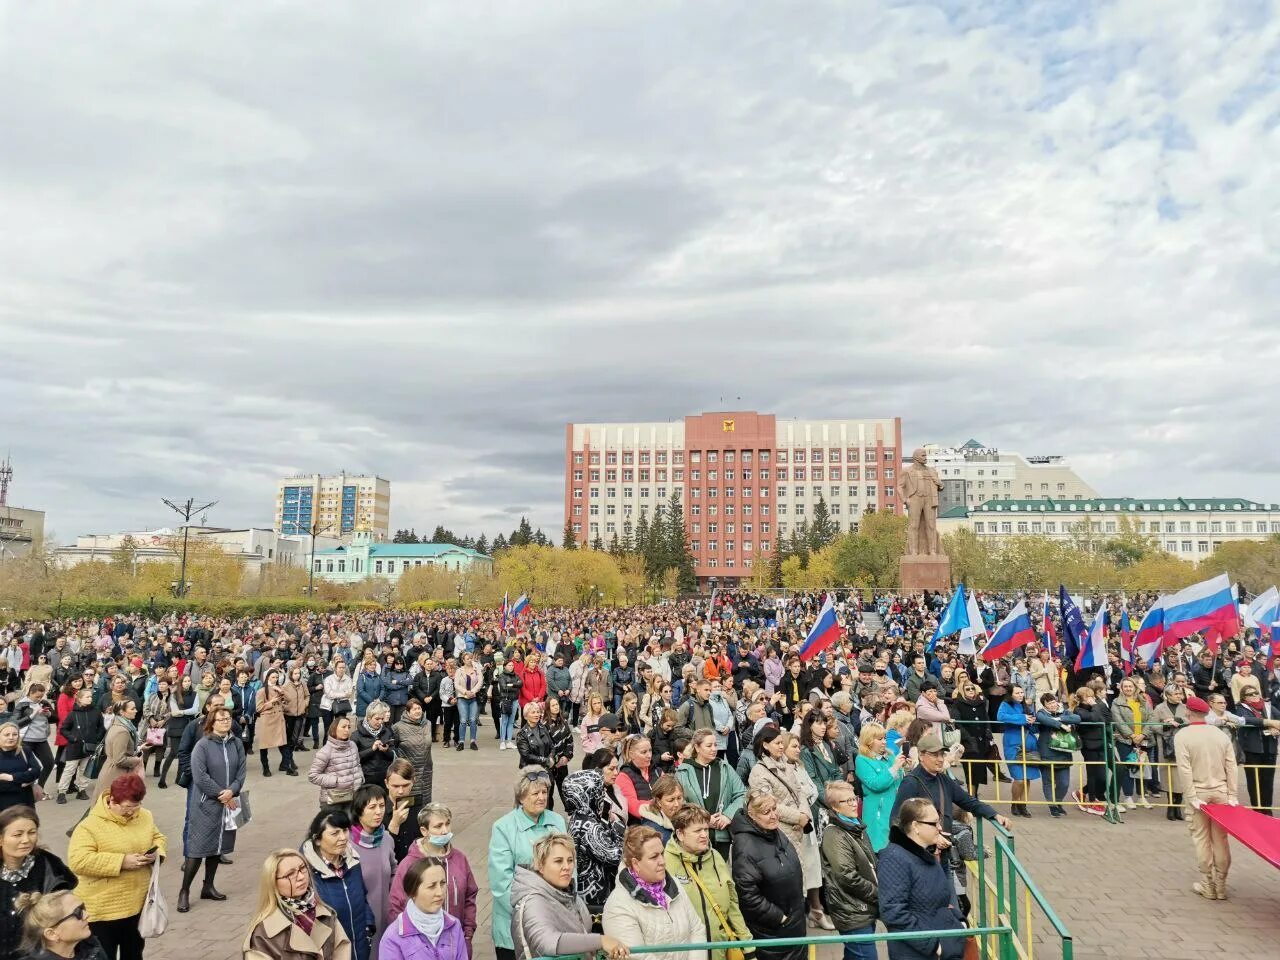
244,242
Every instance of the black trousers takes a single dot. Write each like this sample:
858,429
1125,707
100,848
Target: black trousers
1095,776
40,750
450,723
119,938
1261,782
171,744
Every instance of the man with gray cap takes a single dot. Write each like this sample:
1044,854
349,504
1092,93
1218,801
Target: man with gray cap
929,780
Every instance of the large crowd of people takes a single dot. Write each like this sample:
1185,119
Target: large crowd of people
713,786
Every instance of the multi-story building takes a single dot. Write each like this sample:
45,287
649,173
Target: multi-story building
745,479
363,558
21,530
974,474
255,547
339,504
1190,528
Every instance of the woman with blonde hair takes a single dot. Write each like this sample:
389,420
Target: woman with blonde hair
896,728
547,918
55,925
290,920
589,729
879,771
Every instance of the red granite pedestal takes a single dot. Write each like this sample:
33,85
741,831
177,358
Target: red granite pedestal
917,573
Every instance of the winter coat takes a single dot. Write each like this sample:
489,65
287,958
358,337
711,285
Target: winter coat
510,847
279,938
336,767
46,875
849,874
916,893
597,840
732,792
269,731
782,780
847,724
345,894
315,694
121,754
369,687
461,890
296,698
535,746
714,881
506,688
545,921
23,766
397,687
96,854
533,688
413,743
374,762
622,679
402,941
632,916
216,765
879,789
767,872
1019,737
559,682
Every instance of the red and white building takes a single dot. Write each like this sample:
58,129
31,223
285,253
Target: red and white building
746,479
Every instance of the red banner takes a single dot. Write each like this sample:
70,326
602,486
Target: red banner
1255,830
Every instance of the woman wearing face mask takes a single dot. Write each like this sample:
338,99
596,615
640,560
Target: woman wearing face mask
375,849
916,890
436,823
425,930
336,874
54,926
26,868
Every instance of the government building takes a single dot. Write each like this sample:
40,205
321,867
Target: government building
745,479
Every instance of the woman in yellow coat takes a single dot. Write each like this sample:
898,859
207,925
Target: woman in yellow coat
111,852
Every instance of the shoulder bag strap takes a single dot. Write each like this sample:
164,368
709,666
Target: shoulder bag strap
720,917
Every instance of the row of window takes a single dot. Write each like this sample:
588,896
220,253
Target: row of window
660,457
834,491
1111,526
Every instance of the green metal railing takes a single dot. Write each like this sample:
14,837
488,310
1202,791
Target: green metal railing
1006,894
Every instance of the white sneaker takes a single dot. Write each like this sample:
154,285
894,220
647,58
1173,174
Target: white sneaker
1145,803
1129,804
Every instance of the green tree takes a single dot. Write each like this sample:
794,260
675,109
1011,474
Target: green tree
568,540
597,543
798,544
776,558
540,539
482,545
677,546
522,535
642,535
615,546
823,529
499,544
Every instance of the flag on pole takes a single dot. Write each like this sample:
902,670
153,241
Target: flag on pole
1149,640
954,619
520,607
1074,633
1208,607
824,632
1093,653
505,608
1046,625
968,635
1013,633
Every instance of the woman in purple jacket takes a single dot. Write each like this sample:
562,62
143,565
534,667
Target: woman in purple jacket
425,931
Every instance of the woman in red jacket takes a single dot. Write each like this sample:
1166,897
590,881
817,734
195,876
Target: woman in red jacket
636,777
534,686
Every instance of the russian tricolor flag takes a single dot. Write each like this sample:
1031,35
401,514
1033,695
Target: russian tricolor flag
824,632
1093,652
1013,633
1050,633
520,607
505,608
1149,640
1209,607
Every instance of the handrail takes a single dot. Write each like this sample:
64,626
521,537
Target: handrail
1059,927
811,941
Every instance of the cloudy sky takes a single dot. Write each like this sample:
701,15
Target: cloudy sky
242,240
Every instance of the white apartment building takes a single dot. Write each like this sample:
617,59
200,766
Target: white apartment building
340,504
255,547
1189,528
985,474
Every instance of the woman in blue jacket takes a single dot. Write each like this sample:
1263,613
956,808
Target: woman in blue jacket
370,685
1053,719
1019,745
916,890
335,870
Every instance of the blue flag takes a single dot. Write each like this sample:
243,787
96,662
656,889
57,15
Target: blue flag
1074,633
954,619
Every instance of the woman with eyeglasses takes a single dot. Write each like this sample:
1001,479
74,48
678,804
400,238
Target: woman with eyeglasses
768,875
916,889
25,867
112,851
54,926
511,846
291,921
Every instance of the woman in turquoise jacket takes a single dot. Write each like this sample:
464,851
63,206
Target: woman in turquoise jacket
511,843
879,771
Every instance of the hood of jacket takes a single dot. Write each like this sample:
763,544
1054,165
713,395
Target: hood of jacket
743,825
528,881
583,793
318,865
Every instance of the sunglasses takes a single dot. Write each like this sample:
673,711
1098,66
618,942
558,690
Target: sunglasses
928,823
79,913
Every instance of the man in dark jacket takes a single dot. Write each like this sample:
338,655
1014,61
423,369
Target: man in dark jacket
931,782
559,682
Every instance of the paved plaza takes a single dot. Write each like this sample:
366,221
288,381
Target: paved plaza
1123,891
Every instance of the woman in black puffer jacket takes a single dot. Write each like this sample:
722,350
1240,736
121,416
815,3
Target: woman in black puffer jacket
767,873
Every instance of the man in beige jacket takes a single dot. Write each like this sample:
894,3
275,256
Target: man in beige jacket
1207,769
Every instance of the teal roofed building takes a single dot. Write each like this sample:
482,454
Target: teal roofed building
1192,528
365,557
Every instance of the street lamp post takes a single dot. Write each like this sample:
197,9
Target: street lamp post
315,531
186,511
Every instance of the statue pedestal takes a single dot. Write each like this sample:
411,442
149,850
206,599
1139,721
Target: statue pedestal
917,573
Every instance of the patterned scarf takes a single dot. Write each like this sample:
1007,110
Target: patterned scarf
657,891
370,839
300,910
19,873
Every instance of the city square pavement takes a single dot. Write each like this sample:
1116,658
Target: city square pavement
1124,891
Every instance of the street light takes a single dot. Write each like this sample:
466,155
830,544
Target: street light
314,530
459,591
186,511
